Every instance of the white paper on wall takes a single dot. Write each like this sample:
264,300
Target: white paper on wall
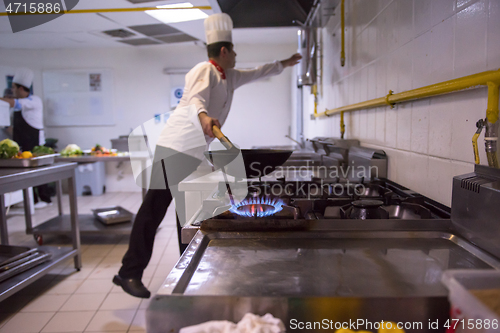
78,97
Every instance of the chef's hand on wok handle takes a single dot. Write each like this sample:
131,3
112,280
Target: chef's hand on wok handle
292,61
207,123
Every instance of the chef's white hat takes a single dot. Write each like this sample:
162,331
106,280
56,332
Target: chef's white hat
24,77
218,28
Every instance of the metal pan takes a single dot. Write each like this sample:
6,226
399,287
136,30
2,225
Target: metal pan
28,162
258,162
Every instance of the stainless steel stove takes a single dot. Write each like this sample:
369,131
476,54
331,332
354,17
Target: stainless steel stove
329,200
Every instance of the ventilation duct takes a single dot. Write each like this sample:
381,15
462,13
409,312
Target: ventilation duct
307,48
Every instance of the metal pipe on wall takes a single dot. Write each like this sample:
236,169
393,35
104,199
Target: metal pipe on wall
466,82
342,125
491,135
342,33
488,78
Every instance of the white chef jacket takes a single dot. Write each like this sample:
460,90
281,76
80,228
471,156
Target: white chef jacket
206,91
31,108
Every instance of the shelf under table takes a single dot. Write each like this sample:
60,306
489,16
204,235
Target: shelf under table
20,281
61,225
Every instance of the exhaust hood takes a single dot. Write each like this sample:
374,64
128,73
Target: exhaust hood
265,13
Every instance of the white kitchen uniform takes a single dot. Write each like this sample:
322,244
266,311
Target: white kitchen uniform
206,91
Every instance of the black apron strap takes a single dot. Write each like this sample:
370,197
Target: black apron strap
27,137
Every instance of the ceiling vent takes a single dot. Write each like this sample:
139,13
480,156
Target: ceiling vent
140,41
119,33
154,29
176,38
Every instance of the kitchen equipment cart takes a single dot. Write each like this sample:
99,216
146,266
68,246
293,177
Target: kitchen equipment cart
13,179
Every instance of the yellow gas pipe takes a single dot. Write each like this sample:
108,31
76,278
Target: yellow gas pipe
491,135
480,126
104,10
466,82
342,125
488,78
314,89
492,110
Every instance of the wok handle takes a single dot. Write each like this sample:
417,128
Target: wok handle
222,138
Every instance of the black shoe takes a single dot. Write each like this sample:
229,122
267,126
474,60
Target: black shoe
132,287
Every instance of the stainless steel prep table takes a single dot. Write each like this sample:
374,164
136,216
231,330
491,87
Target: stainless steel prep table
24,178
92,159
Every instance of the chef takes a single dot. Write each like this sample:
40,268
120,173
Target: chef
28,122
28,111
206,101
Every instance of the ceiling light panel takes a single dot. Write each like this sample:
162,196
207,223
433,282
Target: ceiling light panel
177,15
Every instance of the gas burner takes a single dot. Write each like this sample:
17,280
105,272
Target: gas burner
366,209
258,207
310,200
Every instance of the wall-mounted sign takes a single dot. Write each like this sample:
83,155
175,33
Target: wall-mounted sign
175,96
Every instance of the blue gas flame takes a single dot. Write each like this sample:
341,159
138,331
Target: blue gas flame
252,207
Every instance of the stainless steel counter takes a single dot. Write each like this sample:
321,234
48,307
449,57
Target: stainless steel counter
23,178
374,268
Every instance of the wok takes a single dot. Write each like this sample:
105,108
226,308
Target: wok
257,162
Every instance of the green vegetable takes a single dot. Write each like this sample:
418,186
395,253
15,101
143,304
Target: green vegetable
42,150
10,143
8,148
71,150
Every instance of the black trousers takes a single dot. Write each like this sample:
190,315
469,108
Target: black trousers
154,208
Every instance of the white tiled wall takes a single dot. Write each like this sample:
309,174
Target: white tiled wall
401,45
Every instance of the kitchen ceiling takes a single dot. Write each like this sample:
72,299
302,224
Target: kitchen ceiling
88,30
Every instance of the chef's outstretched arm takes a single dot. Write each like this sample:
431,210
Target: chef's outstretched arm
11,101
292,61
207,123
245,76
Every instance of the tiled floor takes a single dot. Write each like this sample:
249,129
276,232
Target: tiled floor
86,301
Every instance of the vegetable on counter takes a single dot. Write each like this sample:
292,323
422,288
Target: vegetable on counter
42,150
26,154
71,150
99,150
8,148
